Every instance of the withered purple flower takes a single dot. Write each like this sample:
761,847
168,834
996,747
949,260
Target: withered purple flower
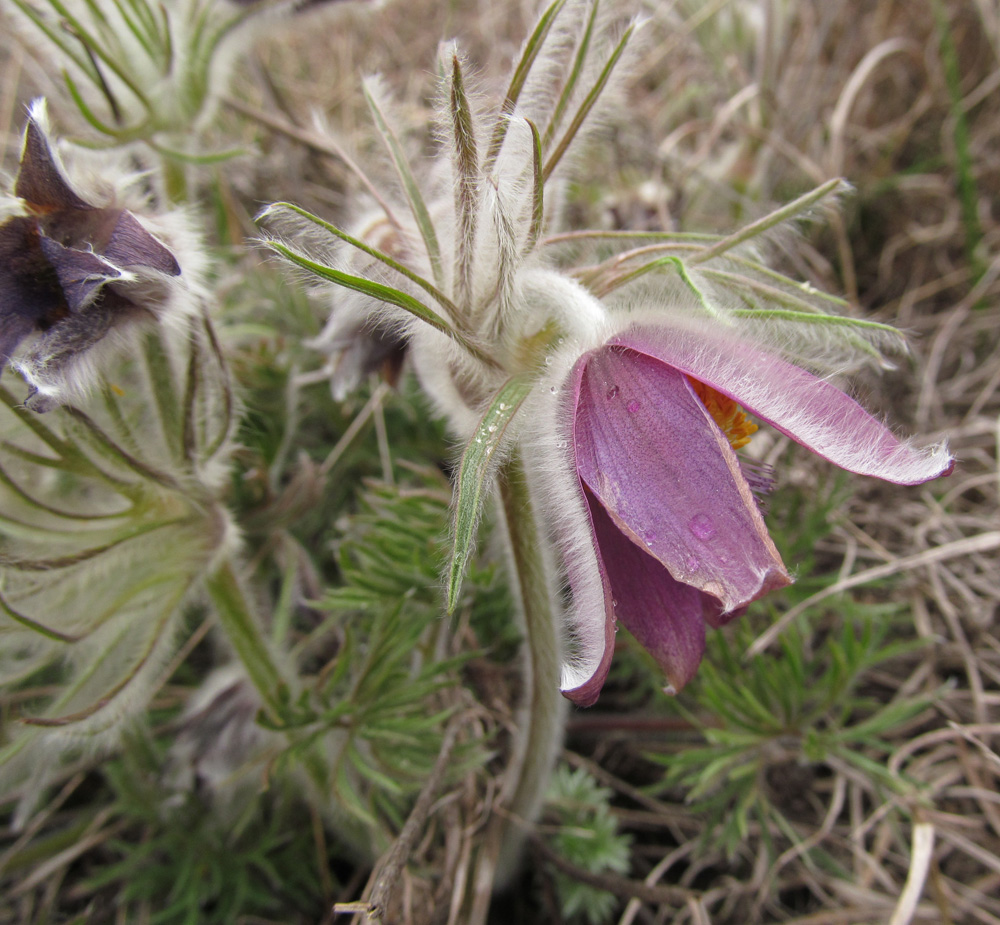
70,271
674,522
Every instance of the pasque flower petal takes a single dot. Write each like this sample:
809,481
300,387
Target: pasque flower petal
40,182
659,466
664,615
808,409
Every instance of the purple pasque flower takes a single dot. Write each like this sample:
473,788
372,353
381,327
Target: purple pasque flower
675,526
71,271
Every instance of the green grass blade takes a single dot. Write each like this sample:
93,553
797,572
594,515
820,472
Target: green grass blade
479,464
574,77
81,61
673,263
538,191
531,49
416,200
467,187
968,194
378,291
86,111
34,625
424,284
588,104
94,47
771,220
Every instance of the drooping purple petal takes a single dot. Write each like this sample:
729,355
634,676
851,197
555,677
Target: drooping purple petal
81,273
804,407
592,624
651,455
664,615
30,294
132,246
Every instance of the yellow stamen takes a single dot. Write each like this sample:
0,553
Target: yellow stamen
730,417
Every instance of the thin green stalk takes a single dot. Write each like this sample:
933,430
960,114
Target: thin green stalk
542,716
968,194
240,624
769,221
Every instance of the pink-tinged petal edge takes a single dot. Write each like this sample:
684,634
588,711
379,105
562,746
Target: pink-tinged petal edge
595,611
802,406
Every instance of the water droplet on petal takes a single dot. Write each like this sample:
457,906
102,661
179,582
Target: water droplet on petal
692,562
553,389
492,428
613,392
632,406
479,439
702,527
614,603
502,407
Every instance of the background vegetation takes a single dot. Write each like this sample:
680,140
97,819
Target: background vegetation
836,761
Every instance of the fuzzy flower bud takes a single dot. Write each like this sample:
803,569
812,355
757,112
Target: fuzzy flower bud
76,268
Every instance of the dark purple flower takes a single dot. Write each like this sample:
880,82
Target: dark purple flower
677,530
70,271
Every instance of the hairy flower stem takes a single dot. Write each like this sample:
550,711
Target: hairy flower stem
241,627
541,720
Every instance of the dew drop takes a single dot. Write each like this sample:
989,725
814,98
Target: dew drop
613,392
692,562
650,537
548,361
492,428
553,389
702,527
632,406
502,407
479,439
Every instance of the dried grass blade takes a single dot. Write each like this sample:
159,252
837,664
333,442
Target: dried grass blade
982,542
